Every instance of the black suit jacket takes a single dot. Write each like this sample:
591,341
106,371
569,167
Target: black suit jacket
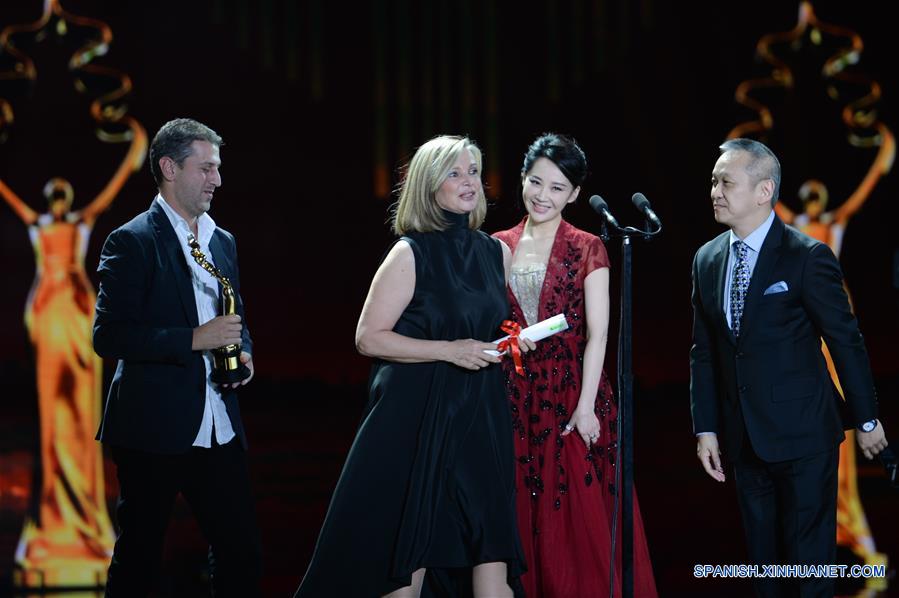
773,384
146,313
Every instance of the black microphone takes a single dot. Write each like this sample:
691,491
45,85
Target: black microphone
642,204
600,206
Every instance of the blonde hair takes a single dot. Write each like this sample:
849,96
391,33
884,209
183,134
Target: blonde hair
417,209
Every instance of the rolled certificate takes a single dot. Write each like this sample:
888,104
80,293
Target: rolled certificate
538,331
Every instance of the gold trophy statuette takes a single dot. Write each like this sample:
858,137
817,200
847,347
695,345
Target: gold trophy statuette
227,368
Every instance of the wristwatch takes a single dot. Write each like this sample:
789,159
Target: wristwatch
867,426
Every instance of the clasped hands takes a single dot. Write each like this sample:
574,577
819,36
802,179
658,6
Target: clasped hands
586,423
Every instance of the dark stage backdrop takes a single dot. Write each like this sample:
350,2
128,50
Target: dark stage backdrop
320,102
647,88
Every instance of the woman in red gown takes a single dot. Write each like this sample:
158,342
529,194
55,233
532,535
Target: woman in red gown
563,409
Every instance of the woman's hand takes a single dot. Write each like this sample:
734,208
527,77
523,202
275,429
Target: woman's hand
526,344
469,354
587,425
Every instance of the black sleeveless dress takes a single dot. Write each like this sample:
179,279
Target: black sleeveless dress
428,482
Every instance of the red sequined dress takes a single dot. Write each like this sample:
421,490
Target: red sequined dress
565,492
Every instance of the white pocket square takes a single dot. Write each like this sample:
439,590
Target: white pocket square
777,287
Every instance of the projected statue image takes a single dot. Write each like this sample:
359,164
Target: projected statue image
828,227
71,519
67,537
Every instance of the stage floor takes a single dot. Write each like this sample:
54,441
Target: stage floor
299,435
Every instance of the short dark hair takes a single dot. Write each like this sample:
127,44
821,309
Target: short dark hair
561,150
764,164
174,140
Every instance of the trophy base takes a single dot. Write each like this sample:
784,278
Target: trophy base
222,376
59,574
62,558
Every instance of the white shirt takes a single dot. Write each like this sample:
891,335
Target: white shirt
207,297
753,243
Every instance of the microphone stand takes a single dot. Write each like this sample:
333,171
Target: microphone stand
625,426
626,421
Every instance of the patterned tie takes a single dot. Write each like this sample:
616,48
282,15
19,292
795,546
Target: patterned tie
739,285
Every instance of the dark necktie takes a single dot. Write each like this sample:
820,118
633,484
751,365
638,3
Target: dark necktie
739,285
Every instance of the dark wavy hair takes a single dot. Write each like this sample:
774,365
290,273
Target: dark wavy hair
561,150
